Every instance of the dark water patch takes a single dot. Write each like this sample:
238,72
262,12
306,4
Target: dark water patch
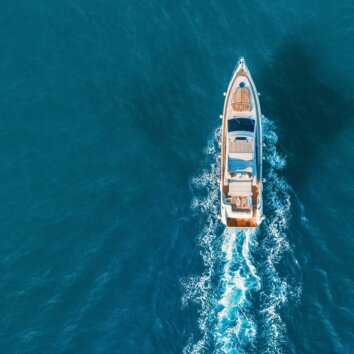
311,102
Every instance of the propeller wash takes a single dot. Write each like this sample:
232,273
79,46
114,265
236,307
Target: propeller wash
240,294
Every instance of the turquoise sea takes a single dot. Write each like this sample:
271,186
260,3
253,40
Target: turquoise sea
109,155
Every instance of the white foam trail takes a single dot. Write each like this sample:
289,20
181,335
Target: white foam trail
229,321
246,253
235,326
200,289
276,290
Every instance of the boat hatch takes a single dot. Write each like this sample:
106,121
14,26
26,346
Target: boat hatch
240,124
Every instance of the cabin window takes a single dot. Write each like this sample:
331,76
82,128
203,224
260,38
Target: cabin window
240,124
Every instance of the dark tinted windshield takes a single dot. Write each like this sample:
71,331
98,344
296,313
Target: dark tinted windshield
244,124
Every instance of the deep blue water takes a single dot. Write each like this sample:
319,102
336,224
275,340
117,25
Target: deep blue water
109,158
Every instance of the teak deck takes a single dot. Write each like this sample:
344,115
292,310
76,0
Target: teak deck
241,101
242,222
250,222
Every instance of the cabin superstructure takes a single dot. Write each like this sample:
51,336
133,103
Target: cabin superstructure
241,156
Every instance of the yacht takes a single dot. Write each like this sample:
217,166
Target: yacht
241,152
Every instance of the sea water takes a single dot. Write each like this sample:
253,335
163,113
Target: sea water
110,155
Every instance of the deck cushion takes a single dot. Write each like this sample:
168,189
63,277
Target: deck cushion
240,188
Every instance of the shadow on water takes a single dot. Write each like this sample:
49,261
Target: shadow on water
310,109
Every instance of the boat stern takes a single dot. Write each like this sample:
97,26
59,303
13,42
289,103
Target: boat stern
241,219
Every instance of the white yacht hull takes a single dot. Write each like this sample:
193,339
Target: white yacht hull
241,156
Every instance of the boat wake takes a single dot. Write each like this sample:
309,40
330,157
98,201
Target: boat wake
241,294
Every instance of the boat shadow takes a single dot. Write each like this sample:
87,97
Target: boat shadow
309,109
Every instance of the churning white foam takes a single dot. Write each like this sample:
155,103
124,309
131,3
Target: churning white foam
235,327
241,265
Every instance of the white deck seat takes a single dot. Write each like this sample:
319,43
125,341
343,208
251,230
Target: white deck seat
240,188
236,145
245,156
